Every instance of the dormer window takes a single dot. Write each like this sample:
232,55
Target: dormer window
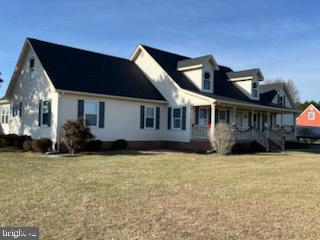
31,68
254,90
282,100
206,81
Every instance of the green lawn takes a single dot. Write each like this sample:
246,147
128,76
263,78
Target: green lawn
163,196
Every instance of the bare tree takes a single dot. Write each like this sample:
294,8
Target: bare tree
293,91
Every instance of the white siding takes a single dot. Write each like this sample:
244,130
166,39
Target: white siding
122,118
171,91
29,92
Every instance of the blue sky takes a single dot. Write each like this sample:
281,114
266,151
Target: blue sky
280,37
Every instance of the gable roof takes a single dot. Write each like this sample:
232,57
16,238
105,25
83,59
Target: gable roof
196,61
271,86
245,73
78,70
223,88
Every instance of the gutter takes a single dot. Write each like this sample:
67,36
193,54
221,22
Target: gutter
111,96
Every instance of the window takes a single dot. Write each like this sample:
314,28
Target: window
311,116
177,118
91,113
5,112
31,68
254,90
203,117
239,119
280,100
149,117
16,109
45,113
206,81
222,116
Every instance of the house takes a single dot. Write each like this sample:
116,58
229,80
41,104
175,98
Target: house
308,123
154,99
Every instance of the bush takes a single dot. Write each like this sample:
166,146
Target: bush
22,139
27,145
94,145
223,139
9,140
75,135
120,144
41,145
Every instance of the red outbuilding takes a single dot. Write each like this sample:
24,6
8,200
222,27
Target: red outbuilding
309,117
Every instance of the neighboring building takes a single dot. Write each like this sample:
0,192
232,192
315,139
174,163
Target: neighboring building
308,123
155,99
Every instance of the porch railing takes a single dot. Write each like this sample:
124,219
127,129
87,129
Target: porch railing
200,132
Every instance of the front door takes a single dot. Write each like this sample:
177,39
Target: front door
203,117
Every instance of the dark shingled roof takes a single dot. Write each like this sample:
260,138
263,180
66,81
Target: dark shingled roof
79,70
244,73
223,88
271,86
193,61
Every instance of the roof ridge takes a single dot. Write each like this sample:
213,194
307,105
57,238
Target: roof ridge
79,49
165,51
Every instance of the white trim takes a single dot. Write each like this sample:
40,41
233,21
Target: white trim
311,114
190,67
84,112
241,79
154,117
172,120
110,96
311,105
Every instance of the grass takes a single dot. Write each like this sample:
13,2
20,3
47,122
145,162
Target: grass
163,196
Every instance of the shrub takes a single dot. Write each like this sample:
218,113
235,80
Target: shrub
94,145
9,140
120,144
41,145
223,138
75,135
27,145
22,139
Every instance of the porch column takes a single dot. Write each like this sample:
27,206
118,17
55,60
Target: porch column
213,117
268,125
234,115
252,124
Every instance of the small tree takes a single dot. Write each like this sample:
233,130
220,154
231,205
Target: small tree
223,138
75,134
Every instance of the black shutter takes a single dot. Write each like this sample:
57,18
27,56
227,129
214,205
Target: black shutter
49,113
197,116
20,109
284,101
216,116
101,114
228,116
157,117
39,117
209,116
184,116
80,109
169,117
142,117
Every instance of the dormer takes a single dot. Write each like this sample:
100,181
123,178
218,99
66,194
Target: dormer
248,81
200,71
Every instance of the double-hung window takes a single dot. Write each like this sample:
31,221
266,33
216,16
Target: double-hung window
206,81
45,113
31,69
5,111
91,113
150,117
311,116
177,118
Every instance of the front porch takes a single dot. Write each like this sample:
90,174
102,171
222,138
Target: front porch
267,127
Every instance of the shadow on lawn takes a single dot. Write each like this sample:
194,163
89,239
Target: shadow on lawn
123,152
